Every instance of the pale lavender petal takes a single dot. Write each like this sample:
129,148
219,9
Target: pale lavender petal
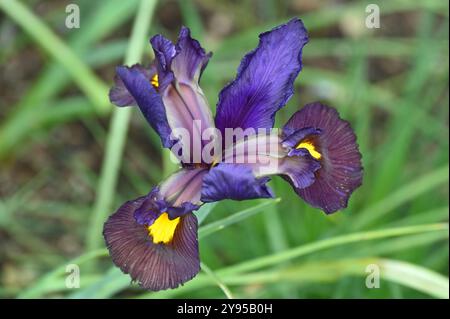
183,186
186,107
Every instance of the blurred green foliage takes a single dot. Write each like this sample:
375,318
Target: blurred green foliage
65,166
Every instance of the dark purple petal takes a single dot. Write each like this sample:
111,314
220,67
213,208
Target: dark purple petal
153,266
265,79
119,94
229,181
178,195
148,100
299,170
151,208
165,51
184,61
181,210
341,171
191,59
295,135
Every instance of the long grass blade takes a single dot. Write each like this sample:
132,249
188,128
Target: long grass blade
328,243
401,196
116,138
88,82
237,217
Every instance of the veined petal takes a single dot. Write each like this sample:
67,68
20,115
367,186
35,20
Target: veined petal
164,51
183,186
147,98
183,61
153,266
341,170
178,195
247,165
179,69
266,155
189,115
119,94
265,79
154,238
295,135
297,169
237,182
191,59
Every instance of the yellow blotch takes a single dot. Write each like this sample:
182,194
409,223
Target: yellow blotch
311,149
163,229
154,81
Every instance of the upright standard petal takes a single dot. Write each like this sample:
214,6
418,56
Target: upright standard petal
154,238
179,69
332,142
164,51
265,79
135,85
191,60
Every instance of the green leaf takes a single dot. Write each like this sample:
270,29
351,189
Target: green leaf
117,134
237,217
415,277
401,196
88,82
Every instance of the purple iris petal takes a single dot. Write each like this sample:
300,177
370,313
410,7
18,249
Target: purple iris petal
191,60
148,100
152,207
230,181
266,155
182,210
132,246
295,135
153,266
179,70
299,170
178,195
265,79
119,94
187,109
341,171
184,186
165,51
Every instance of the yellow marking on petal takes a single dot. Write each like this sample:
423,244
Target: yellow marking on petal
311,149
154,81
163,229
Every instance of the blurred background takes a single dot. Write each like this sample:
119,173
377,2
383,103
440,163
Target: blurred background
68,158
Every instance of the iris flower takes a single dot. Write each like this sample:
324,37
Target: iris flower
154,237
